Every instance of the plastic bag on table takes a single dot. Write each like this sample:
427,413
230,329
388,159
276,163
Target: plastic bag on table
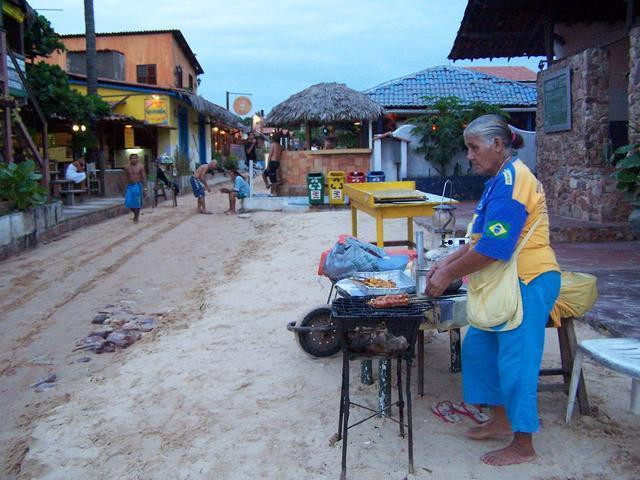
578,293
353,256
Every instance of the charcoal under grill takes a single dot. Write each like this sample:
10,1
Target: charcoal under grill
368,331
365,331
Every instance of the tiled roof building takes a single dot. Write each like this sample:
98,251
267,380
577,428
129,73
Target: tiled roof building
409,92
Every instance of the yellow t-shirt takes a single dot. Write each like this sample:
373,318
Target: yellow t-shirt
511,203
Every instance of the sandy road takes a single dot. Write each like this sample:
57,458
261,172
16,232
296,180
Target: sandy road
49,295
219,390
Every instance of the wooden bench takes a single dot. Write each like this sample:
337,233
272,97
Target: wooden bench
70,193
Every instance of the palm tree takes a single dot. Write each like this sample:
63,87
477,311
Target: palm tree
91,55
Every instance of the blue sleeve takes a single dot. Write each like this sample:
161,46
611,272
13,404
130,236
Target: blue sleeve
237,183
503,222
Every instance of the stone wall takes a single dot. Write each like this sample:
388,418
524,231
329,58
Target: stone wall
634,84
21,230
571,164
295,165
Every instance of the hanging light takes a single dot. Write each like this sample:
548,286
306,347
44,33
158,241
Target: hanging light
83,128
75,128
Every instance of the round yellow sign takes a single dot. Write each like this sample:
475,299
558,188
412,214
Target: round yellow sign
242,105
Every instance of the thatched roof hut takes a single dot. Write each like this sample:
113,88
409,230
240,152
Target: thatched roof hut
216,112
322,104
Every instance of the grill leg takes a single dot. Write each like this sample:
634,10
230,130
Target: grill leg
345,368
400,399
345,420
409,418
420,345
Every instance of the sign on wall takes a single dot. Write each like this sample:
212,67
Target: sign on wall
556,100
156,111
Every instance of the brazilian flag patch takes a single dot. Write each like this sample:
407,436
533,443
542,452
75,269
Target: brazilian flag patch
497,229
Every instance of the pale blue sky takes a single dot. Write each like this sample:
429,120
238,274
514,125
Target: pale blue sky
275,49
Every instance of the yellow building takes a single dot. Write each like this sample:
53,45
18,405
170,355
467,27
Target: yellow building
150,80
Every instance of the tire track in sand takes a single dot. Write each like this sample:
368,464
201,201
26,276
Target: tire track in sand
80,262
38,327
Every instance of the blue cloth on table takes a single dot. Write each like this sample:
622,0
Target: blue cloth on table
133,195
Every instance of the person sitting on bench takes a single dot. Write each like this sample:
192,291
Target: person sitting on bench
75,171
240,190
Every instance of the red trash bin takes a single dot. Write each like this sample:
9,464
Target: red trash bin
356,177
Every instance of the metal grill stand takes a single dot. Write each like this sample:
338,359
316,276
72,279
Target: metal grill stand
355,321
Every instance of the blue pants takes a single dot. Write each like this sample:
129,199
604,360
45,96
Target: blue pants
501,368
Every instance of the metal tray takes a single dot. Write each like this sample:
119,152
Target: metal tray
353,288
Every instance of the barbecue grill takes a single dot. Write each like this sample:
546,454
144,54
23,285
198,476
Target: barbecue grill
366,332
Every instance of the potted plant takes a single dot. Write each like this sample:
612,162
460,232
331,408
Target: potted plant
19,185
626,160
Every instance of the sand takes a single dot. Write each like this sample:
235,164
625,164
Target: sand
220,389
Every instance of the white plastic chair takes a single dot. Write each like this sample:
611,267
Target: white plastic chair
619,354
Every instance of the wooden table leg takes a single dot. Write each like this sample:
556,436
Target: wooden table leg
354,221
410,231
380,230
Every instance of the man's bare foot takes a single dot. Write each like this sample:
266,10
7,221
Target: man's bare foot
494,428
514,454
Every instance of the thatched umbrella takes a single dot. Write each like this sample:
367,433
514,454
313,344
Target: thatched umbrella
321,104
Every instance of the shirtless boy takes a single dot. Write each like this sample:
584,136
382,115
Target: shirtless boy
199,182
270,175
136,186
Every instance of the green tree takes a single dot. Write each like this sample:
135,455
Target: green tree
50,85
440,128
41,40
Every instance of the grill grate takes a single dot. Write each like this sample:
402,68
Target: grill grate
358,307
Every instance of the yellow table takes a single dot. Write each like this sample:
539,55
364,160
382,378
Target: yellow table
364,196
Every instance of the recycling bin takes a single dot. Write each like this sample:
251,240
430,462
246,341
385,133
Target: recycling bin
335,184
375,176
356,177
315,188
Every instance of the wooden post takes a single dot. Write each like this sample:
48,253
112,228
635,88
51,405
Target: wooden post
6,118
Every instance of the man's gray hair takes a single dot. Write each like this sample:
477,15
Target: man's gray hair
489,127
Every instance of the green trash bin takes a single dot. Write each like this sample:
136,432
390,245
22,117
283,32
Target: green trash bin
315,188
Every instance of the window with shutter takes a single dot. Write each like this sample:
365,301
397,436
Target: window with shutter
146,74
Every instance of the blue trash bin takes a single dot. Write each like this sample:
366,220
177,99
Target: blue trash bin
375,176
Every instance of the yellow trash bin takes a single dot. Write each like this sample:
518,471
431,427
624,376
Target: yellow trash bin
335,182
